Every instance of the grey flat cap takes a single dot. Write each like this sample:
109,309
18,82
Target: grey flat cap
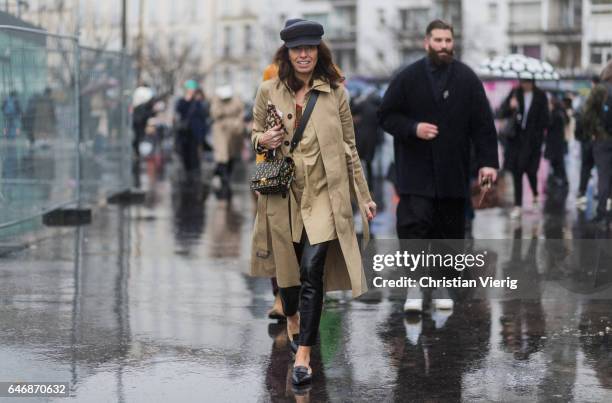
301,33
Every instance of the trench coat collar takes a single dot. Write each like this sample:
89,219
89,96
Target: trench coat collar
320,85
317,84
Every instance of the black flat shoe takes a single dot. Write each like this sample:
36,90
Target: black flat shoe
301,375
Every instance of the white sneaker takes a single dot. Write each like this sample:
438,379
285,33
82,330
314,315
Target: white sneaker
440,317
413,330
516,212
443,303
413,305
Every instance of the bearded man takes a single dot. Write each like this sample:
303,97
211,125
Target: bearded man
436,110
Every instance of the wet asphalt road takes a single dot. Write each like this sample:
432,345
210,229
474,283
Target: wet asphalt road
152,303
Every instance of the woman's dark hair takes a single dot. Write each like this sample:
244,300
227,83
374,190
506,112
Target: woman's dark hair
324,70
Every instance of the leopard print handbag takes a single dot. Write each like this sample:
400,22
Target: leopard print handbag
274,175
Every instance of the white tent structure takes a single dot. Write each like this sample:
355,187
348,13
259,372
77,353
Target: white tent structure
517,66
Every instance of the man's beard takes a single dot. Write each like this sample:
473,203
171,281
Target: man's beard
441,57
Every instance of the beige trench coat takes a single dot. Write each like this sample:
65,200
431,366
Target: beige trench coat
272,252
227,129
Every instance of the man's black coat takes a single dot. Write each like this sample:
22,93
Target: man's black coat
439,167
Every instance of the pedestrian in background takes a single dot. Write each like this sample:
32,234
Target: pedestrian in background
27,119
528,106
11,110
45,120
189,123
434,109
556,145
314,245
598,120
142,110
227,112
368,134
203,120
587,161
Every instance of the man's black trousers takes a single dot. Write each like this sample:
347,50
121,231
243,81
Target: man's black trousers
421,217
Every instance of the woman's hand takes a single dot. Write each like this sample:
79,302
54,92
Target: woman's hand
272,138
370,208
514,105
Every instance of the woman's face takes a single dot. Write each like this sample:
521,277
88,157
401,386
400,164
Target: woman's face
303,58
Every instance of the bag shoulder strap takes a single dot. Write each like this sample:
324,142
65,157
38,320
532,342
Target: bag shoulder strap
297,136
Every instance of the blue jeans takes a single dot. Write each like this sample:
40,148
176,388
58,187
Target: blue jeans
11,127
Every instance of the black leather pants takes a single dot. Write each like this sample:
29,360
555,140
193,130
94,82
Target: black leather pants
308,296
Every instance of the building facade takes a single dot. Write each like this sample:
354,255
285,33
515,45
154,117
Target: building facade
231,41
573,35
391,33
597,34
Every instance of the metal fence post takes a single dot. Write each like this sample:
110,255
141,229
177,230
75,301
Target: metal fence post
123,132
77,91
77,95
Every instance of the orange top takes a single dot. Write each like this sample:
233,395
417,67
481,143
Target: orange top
298,115
270,72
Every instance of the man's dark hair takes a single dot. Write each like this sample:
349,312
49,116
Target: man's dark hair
439,24
324,70
595,79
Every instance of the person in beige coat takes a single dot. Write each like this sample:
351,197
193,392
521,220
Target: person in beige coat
227,112
308,236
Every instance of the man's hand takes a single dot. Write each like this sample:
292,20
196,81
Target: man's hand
370,209
486,174
426,131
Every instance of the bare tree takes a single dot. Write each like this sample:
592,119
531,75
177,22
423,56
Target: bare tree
166,63
386,61
56,16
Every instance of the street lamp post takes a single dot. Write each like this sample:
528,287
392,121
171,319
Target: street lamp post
123,25
140,43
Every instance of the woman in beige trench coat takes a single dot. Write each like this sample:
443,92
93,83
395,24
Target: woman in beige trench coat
227,112
309,235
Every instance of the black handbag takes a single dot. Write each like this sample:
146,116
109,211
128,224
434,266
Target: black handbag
274,175
507,129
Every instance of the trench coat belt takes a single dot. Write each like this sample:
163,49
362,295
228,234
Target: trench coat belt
364,219
262,246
